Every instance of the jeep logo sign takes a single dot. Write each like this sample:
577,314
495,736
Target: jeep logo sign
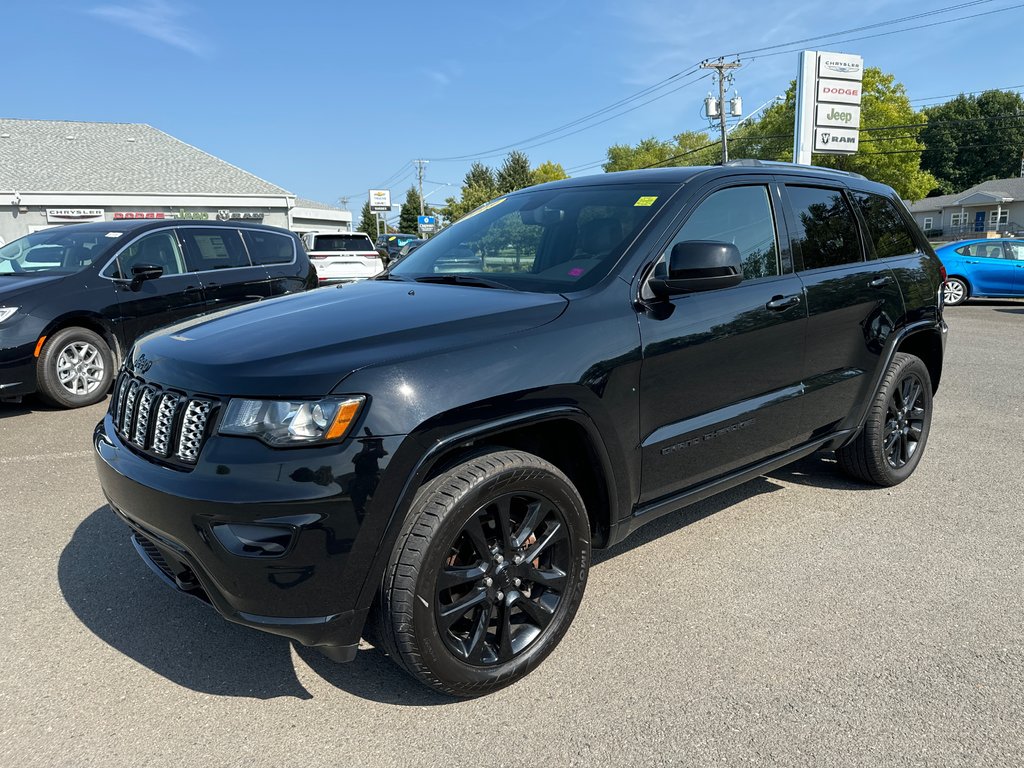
838,116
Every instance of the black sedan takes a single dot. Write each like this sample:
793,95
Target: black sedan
73,299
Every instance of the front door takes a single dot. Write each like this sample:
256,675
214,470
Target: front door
979,221
228,277
176,295
720,379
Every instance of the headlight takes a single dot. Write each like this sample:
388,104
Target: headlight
6,312
283,422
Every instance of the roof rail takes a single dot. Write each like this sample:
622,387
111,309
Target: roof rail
749,161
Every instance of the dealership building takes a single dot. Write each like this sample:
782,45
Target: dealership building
56,172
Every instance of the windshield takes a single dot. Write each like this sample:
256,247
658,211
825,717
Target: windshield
548,240
55,251
342,243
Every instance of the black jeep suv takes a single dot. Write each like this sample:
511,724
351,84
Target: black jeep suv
439,448
73,298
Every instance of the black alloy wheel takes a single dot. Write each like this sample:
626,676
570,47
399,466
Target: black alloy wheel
904,426
504,578
486,575
889,447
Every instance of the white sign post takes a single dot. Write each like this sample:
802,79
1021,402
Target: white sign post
380,200
828,93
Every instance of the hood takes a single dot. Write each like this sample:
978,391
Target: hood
14,286
304,345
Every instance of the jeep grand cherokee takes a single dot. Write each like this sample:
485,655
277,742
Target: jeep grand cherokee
438,451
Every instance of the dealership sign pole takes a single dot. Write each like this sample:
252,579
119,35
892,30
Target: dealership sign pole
828,93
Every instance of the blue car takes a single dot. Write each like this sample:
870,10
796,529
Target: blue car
977,268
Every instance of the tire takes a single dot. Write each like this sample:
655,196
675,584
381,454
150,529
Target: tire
889,447
955,291
450,610
74,369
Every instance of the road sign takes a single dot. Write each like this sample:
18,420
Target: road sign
380,200
428,221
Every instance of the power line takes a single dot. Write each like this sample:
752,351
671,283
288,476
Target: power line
967,93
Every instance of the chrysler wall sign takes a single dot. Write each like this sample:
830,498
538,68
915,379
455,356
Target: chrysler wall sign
73,215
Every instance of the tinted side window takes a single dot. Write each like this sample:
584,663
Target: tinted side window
887,228
213,249
159,250
268,247
825,231
741,216
1016,251
983,251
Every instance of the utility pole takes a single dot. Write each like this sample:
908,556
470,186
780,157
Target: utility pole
344,203
721,66
420,164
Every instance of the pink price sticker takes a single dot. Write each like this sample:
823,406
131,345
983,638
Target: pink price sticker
576,271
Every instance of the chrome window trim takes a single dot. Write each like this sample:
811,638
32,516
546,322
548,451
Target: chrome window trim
181,245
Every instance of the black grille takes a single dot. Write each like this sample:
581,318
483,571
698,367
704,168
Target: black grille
154,554
168,425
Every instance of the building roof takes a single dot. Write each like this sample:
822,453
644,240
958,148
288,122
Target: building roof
1006,189
305,202
129,158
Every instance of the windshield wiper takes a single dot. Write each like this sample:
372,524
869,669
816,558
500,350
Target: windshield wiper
472,280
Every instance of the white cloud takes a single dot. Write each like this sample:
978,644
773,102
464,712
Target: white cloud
157,19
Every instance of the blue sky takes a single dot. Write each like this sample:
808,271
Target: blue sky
331,98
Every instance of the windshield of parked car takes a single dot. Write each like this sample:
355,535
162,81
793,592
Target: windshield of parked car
543,240
57,251
342,243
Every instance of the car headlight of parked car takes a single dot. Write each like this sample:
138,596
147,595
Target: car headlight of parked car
6,312
281,423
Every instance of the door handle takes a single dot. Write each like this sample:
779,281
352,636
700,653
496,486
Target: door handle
968,261
779,303
880,282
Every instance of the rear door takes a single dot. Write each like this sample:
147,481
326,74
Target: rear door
1015,250
720,382
281,256
991,268
219,257
853,303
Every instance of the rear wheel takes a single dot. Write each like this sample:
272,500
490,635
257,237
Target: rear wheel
890,446
955,291
487,575
75,368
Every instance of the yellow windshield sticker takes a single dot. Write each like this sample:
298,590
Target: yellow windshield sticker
391,238
484,207
645,202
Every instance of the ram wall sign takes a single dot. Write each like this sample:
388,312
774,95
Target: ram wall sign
828,94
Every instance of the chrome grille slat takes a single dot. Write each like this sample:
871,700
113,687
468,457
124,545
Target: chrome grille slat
122,389
162,430
145,408
128,417
193,429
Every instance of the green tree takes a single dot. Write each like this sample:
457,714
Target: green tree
478,186
687,148
514,173
368,220
889,152
408,219
974,138
548,171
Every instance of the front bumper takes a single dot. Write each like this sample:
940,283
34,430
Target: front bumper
306,584
17,371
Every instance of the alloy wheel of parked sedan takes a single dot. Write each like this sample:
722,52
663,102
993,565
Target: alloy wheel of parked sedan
954,291
80,368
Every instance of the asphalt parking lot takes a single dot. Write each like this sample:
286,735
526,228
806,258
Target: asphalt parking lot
797,620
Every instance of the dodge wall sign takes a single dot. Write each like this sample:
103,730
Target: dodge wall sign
73,215
380,200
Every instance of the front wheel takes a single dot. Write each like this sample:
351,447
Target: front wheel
889,448
75,368
487,575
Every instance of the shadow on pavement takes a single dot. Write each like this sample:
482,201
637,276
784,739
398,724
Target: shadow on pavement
118,599
819,470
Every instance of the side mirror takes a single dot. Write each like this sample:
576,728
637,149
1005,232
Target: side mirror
699,265
143,272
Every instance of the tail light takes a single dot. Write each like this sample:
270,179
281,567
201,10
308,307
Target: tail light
942,272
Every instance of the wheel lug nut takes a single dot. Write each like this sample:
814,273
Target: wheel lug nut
501,595
499,559
488,581
518,582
